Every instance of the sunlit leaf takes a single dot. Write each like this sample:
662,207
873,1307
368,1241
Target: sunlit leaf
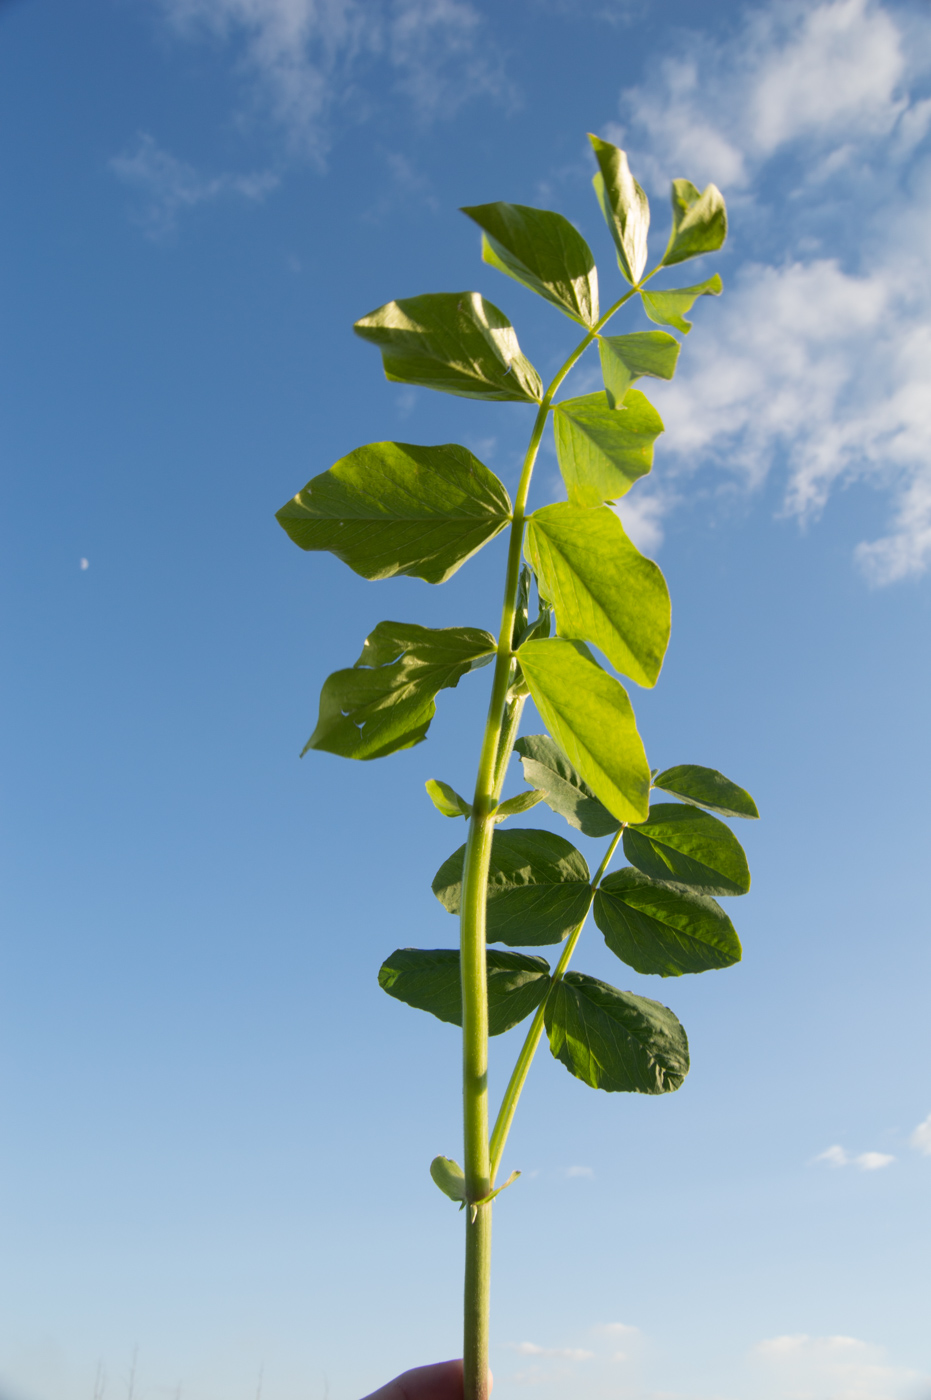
453,341
538,887
385,701
396,508
590,717
446,799
699,222
430,980
602,451
706,787
671,308
449,1177
687,845
625,358
514,806
624,205
603,589
564,790
542,251
614,1040
659,927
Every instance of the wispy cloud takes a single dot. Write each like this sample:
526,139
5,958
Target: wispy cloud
814,119
838,1156
566,1353
580,1171
921,1137
167,186
845,1368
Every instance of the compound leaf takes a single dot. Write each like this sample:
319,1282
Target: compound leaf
706,787
625,358
590,717
603,589
671,308
699,222
456,342
446,799
385,702
542,251
625,207
659,927
614,1040
689,846
601,450
430,980
396,508
564,790
538,887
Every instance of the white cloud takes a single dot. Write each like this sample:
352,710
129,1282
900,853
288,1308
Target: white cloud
817,367
303,59
833,1368
580,1171
921,1137
567,1353
168,186
838,1156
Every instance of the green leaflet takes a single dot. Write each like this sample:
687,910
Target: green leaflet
699,222
590,717
385,701
395,508
625,358
603,589
446,799
670,308
430,980
456,342
564,790
449,1177
514,806
542,251
664,928
614,1040
538,887
706,787
685,844
625,207
602,451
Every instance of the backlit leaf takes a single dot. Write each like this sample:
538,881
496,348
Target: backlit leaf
671,308
514,806
449,1177
614,1040
602,451
603,589
659,927
706,787
396,508
699,222
624,205
687,845
430,980
542,251
590,717
385,701
446,799
538,887
456,342
565,791
625,358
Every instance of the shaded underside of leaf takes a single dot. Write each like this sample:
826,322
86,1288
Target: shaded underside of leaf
456,342
385,702
590,717
601,450
671,308
625,358
658,927
706,787
685,844
430,980
538,887
603,589
614,1040
395,508
699,222
544,252
565,790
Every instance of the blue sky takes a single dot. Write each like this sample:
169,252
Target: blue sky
216,1128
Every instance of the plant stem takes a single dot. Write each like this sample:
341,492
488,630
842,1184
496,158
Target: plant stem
529,1048
491,769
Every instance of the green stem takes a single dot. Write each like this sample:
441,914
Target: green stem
496,748
529,1048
